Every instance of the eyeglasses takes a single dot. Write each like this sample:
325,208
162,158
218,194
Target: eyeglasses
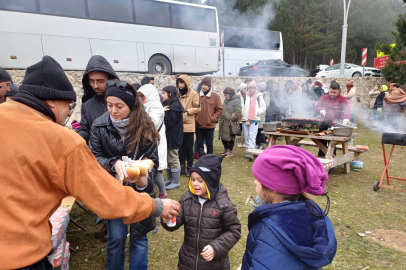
118,84
72,106
99,82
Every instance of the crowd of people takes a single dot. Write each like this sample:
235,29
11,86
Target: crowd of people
120,120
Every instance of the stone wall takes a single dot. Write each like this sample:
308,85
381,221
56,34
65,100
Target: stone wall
364,85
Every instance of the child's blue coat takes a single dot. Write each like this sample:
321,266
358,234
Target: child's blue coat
286,236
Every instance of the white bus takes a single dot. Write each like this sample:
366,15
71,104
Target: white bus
158,37
244,46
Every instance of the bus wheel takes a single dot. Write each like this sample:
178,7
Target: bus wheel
159,65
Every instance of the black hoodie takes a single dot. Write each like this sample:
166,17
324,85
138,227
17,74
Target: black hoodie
93,106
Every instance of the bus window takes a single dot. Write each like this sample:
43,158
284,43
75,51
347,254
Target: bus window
71,8
111,10
193,18
152,13
18,5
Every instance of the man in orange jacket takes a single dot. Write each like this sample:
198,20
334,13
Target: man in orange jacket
43,162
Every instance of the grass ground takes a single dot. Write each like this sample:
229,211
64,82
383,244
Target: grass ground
355,208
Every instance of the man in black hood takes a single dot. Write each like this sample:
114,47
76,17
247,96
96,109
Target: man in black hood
98,71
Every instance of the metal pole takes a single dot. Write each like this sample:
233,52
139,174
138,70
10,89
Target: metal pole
224,71
344,38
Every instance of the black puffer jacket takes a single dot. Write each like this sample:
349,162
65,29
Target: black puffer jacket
215,224
105,143
174,125
93,106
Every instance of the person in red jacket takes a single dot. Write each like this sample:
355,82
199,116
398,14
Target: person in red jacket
334,106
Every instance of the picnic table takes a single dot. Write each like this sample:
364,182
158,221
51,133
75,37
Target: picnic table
329,161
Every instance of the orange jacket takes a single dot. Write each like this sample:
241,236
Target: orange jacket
43,162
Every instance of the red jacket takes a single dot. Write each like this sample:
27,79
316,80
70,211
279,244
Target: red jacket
337,108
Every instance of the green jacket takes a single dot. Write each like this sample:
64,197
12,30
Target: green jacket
230,107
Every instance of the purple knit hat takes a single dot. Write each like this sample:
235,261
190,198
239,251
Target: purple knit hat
291,170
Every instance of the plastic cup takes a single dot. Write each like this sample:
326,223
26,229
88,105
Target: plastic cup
172,222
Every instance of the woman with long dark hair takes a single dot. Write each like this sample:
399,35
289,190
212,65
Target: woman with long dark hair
126,130
174,134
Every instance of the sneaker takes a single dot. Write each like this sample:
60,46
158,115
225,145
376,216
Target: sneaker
248,156
280,139
163,195
102,232
262,147
257,147
229,153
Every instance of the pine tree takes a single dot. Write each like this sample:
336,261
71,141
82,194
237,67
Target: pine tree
395,69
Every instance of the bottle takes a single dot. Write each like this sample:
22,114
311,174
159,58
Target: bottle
172,222
351,143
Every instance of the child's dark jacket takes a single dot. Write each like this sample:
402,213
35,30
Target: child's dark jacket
215,223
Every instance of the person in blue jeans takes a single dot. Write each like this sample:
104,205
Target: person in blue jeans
126,130
118,232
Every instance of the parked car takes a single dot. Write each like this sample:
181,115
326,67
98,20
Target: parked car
272,68
350,70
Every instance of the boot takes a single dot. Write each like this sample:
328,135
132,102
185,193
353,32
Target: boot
169,175
182,170
102,232
223,152
238,140
229,153
175,179
188,172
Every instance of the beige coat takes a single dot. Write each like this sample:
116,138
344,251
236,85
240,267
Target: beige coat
351,97
190,101
373,94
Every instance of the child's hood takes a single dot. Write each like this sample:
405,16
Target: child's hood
209,168
311,239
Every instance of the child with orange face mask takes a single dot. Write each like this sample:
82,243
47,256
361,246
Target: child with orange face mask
209,218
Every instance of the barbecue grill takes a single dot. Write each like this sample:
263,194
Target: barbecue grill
299,123
391,139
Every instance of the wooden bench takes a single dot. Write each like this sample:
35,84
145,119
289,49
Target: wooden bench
254,153
339,147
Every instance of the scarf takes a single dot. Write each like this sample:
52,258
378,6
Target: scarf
121,126
27,98
183,91
253,106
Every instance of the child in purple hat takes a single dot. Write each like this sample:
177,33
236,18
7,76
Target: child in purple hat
289,231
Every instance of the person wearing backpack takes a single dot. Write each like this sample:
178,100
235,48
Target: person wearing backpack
253,106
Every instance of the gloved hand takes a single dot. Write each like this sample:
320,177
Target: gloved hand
345,121
323,113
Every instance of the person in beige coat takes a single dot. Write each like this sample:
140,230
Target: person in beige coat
190,102
351,97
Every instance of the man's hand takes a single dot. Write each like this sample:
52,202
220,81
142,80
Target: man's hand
121,170
323,113
171,209
208,253
345,121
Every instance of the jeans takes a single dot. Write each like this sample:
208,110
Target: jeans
117,232
205,134
250,134
393,121
352,118
228,145
186,149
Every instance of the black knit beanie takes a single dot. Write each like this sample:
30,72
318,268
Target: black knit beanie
209,168
46,80
4,76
